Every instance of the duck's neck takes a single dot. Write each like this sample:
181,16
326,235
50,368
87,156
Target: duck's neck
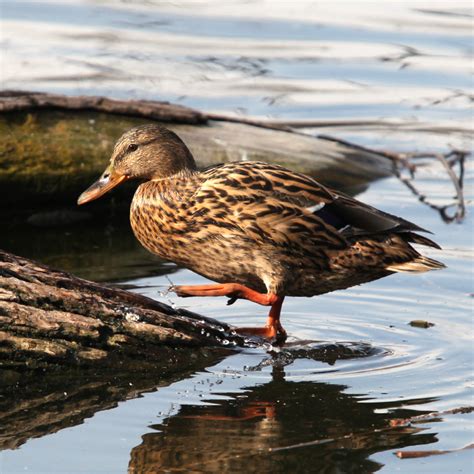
183,174
170,188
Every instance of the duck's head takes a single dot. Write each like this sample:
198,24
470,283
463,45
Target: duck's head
145,153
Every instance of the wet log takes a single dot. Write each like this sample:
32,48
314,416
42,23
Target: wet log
51,317
11,101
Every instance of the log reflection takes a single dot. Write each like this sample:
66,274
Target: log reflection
34,404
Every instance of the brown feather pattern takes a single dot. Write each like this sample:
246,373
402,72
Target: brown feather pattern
251,223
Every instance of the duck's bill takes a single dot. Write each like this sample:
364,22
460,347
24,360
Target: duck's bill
104,184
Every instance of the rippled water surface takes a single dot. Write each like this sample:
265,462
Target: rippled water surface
402,77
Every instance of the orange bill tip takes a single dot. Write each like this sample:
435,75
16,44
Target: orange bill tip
103,185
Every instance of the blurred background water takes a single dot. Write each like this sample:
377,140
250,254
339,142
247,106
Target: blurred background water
390,75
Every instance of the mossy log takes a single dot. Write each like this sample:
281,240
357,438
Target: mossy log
53,146
51,317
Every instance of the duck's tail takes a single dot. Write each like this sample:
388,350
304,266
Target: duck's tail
420,263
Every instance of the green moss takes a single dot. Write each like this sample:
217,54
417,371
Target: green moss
55,154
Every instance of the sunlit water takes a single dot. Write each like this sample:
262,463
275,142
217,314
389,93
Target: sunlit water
410,64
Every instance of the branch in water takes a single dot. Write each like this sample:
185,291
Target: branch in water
425,454
436,415
448,160
399,425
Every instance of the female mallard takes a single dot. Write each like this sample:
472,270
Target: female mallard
262,231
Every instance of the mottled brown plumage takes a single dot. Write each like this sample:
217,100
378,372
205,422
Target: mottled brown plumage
264,232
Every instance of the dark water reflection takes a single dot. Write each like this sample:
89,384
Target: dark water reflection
101,247
41,402
279,426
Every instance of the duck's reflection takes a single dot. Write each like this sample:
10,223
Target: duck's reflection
280,426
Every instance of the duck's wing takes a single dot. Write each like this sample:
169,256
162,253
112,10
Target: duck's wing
284,204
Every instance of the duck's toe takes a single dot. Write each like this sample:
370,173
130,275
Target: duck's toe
273,334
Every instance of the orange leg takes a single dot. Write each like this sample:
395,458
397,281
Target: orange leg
257,409
272,330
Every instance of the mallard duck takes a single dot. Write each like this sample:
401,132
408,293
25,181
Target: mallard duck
261,231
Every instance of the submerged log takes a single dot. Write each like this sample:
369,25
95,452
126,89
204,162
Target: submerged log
51,317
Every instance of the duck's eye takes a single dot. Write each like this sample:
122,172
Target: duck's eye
132,147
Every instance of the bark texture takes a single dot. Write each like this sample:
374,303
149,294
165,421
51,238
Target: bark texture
164,111
51,317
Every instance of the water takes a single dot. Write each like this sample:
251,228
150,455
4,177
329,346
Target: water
406,70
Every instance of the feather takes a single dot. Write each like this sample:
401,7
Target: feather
418,265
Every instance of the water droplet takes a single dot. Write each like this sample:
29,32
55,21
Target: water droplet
132,317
